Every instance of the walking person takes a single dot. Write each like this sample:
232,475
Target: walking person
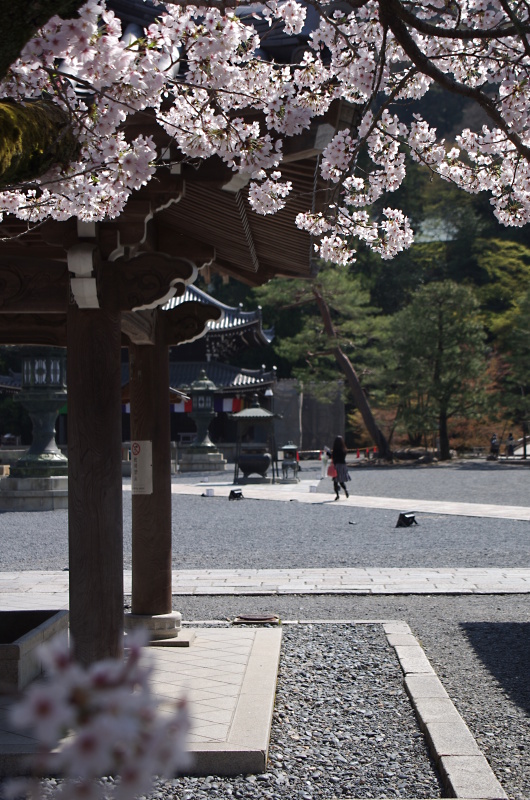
494,446
510,445
338,456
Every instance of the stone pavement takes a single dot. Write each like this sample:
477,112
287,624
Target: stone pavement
310,491
229,679
43,590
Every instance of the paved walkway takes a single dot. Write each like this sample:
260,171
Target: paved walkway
229,679
49,589
42,590
310,491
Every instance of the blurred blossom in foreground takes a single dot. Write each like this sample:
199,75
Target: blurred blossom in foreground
99,721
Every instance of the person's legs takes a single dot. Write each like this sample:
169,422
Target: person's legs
336,487
345,490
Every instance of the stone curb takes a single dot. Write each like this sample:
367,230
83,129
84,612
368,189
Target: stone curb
462,765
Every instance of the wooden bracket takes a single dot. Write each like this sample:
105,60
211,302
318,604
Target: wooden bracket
147,281
187,321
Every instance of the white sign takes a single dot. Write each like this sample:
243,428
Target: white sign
142,467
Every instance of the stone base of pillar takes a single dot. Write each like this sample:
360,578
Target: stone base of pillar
202,462
164,630
33,494
241,481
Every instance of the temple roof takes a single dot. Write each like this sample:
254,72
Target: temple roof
191,216
10,384
225,376
233,331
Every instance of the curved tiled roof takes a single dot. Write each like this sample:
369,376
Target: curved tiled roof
225,376
183,373
231,319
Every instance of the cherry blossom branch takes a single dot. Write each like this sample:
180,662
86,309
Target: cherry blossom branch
463,33
388,12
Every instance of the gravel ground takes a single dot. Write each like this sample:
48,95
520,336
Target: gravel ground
340,703
473,481
479,647
210,533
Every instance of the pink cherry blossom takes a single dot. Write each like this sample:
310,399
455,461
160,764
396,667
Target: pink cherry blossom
199,70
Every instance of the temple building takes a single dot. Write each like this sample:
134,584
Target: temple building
233,331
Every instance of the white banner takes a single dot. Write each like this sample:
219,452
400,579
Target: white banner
142,467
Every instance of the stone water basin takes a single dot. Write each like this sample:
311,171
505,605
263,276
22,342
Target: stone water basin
21,634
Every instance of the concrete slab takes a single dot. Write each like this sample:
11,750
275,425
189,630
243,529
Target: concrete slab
229,676
424,686
451,738
413,662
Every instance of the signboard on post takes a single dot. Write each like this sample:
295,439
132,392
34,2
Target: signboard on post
142,467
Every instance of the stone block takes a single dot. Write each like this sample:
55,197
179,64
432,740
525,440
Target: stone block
413,661
471,777
435,709
22,634
451,738
424,686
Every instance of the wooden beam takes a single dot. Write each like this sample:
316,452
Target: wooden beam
175,244
142,282
151,511
47,329
95,526
29,286
139,326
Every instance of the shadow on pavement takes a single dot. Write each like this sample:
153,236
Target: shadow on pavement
504,649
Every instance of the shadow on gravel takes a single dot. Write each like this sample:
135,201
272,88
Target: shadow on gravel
491,466
504,649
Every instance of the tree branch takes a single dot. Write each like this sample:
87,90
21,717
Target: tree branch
390,14
20,21
33,137
462,33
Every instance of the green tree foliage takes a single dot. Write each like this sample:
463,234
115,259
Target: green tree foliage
456,238
345,328
438,342
515,386
503,268
308,347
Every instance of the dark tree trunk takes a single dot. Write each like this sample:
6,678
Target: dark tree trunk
34,136
353,381
19,21
445,453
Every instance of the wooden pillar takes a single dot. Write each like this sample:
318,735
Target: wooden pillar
95,524
151,512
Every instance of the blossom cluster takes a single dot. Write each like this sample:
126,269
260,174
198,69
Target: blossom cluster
205,76
99,721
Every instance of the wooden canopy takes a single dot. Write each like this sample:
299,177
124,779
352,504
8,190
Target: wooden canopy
97,287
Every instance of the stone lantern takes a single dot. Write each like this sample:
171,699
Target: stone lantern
43,393
38,481
202,412
202,455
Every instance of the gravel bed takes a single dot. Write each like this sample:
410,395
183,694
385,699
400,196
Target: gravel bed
342,726
212,533
479,647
